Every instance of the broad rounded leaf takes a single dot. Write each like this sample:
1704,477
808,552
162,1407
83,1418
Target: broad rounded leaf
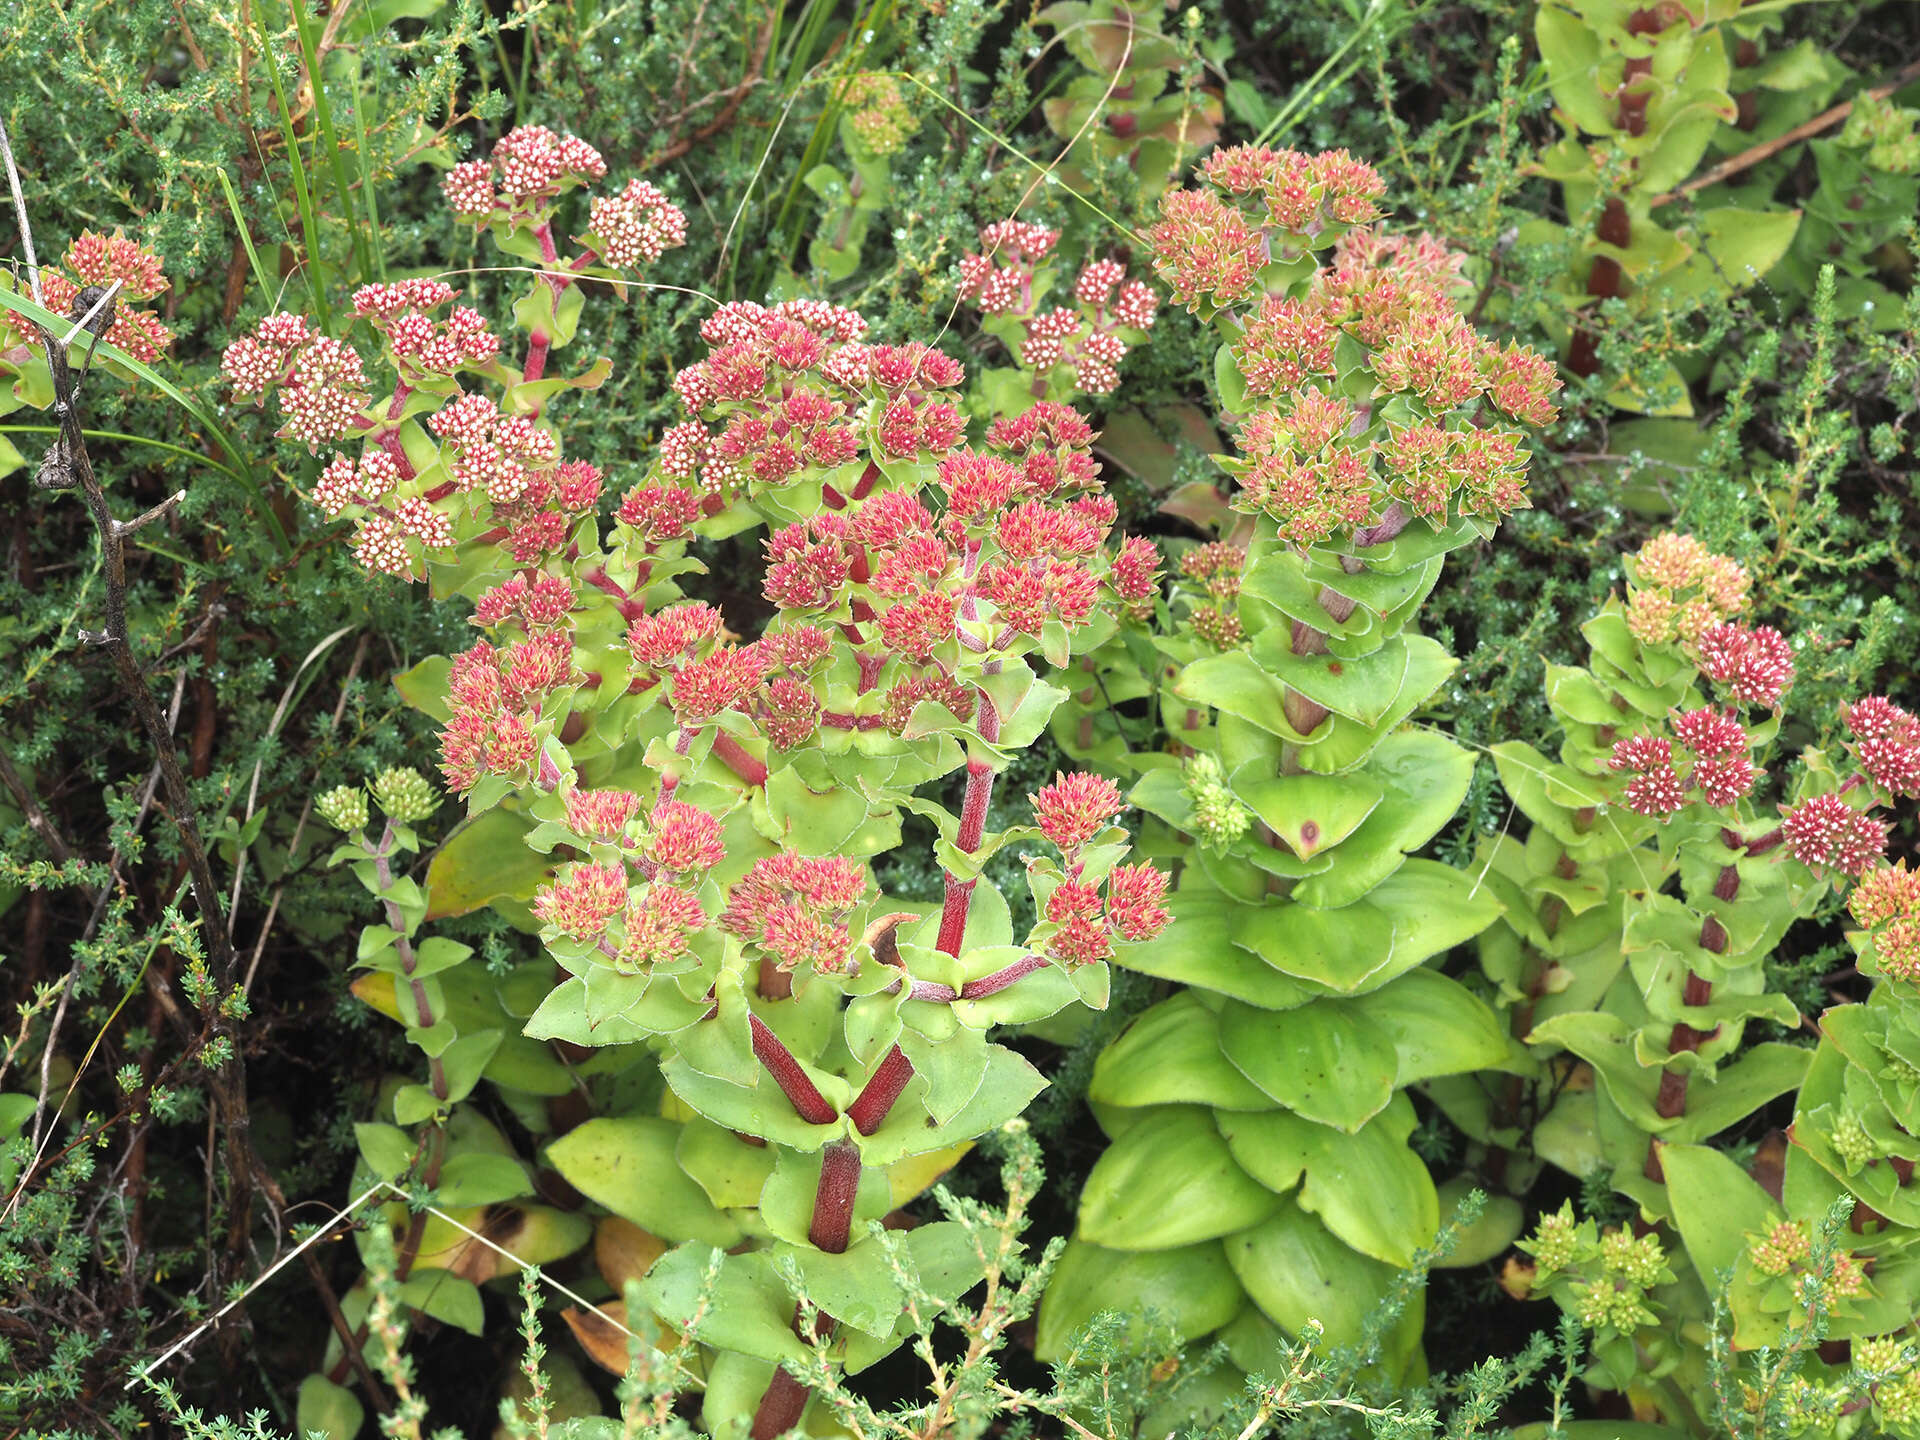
1192,1288
1322,1061
1168,1181
627,1164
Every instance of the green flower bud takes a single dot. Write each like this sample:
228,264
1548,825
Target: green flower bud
1555,1242
404,794
1853,1144
344,807
1218,818
1639,1261
1898,1401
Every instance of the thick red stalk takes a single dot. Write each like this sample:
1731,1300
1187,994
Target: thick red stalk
870,1108
785,1398
1000,979
973,824
808,1103
832,1226
730,753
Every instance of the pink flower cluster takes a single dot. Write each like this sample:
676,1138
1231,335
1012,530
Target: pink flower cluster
637,909
1755,665
1260,205
321,384
1886,745
794,910
527,170
1017,545
1084,343
422,346
96,259
1310,463
1721,766
637,226
1826,832
784,391
497,695
1082,923
1830,832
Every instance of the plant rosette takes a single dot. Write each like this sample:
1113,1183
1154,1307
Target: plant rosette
1637,1000
687,818
1259,1175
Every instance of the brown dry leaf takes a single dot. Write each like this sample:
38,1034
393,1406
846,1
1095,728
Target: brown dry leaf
624,1251
1517,1276
600,1334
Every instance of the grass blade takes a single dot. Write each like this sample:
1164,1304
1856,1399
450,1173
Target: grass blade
246,239
323,113
302,193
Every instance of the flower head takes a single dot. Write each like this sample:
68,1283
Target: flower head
1886,743
1755,665
1826,832
1075,808
1680,589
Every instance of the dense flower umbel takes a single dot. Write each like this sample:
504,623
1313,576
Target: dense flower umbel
1720,769
1080,923
95,260
921,558
1317,460
1680,590
498,470
1886,745
1077,347
1210,245
1886,901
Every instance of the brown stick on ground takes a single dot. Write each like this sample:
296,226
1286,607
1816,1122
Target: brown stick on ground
1766,149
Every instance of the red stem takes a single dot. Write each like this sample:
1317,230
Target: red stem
973,824
876,1099
1000,979
730,753
808,1103
832,1226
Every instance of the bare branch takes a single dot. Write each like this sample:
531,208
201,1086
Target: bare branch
20,214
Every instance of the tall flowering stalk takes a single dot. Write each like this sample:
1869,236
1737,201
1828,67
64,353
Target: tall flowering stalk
1259,1174
1661,785
689,816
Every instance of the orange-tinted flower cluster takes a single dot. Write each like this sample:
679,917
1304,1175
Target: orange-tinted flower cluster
1887,902
1315,460
1261,205
1083,343
1680,590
